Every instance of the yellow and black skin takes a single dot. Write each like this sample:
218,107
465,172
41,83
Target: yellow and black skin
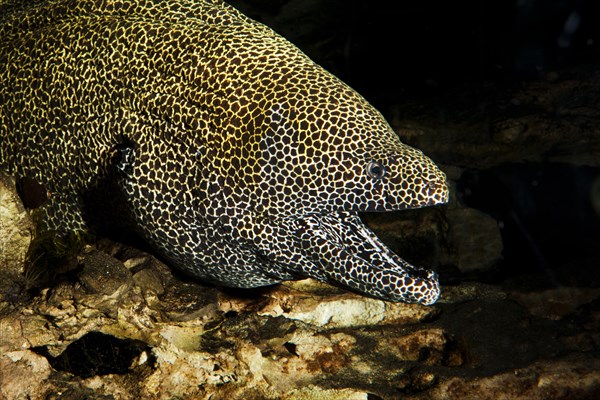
228,150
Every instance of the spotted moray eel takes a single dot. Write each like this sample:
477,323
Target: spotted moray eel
236,157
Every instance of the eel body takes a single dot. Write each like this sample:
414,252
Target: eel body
222,145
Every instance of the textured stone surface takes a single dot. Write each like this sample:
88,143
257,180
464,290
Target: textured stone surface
23,374
551,119
16,228
562,379
339,310
474,239
302,340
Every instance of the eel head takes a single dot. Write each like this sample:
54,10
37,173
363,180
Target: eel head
343,173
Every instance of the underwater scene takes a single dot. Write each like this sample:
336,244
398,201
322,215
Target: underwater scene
299,199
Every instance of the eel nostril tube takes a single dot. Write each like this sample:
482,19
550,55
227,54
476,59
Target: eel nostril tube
438,189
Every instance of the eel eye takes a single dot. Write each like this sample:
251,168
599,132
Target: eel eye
375,170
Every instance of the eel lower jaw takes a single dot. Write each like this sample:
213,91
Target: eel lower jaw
347,253
406,282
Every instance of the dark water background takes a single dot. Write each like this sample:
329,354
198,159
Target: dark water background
388,50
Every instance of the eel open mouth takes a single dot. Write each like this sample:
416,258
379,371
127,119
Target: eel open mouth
346,252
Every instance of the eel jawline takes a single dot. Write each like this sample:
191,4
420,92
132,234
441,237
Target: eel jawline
348,253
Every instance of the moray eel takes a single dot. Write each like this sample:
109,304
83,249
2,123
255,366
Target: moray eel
222,145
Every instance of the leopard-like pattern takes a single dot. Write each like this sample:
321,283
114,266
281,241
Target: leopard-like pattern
222,145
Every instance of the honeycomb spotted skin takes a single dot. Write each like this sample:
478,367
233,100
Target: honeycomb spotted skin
229,151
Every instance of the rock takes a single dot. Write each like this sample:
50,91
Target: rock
187,301
316,393
556,303
543,120
471,291
427,346
338,310
475,240
299,340
23,375
103,274
563,379
149,280
16,228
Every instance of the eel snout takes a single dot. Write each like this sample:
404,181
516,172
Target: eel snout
437,191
